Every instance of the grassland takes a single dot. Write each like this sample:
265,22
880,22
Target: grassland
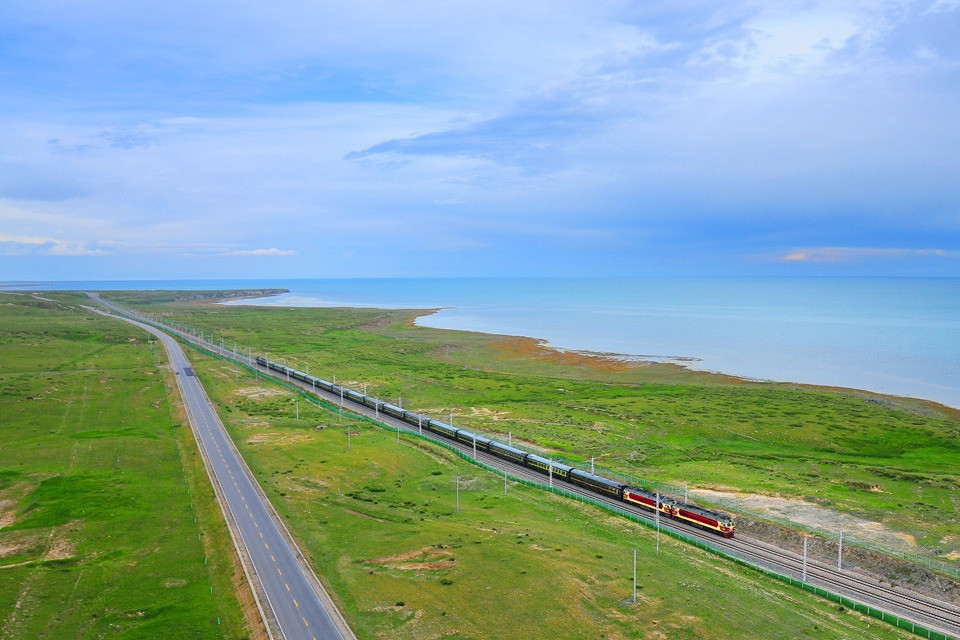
886,460
106,528
378,521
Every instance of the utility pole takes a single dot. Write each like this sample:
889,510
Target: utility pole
419,422
591,467
474,447
504,479
298,408
634,576
341,403
551,473
657,518
510,438
684,493
840,553
804,576
458,494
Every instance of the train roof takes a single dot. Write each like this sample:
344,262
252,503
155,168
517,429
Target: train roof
507,447
471,434
595,477
719,515
548,461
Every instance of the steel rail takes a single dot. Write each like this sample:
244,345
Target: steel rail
940,616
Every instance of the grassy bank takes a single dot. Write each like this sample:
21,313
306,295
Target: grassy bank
378,519
104,524
887,460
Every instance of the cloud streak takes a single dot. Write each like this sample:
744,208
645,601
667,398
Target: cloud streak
850,254
260,252
464,138
19,245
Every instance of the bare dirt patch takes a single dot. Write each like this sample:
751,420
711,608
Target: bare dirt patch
812,515
429,559
174,582
14,544
9,500
277,438
258,393
60,547
490,414
8,513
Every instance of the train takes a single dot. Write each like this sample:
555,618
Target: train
672,508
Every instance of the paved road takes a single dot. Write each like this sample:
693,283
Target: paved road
291,597
924,610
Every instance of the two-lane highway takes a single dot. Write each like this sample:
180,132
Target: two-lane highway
300,608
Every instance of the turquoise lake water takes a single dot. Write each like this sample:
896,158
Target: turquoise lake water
892,335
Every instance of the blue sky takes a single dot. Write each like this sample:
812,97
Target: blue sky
223,139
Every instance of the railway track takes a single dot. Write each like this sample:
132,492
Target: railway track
925,611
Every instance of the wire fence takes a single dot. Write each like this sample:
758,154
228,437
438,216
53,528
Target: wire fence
733,556
952,570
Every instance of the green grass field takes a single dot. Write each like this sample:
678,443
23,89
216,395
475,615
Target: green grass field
103,530
888,460
379,523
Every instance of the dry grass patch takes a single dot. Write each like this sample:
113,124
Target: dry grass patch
427,558
814,515
277,438
258,393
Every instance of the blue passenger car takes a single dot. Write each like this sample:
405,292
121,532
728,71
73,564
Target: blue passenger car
543,465
507,452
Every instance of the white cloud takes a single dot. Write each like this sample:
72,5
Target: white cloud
16,244
335,127
260,252
850,254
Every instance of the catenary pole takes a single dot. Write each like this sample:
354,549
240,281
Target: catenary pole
657,518
840,553
804,575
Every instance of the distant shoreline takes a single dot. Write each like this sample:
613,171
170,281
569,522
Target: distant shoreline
886,336
685,362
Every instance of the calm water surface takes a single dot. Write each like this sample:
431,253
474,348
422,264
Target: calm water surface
893,335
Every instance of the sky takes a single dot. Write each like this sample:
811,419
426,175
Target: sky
219,139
